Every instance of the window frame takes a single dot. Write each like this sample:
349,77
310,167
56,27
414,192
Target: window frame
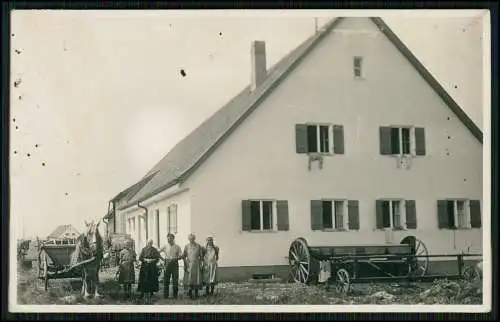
170,214
156,221
331,142
455,214
357,67
274,215
345,214
413,143
402,214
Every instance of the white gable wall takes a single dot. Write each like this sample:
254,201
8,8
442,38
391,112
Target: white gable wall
259,160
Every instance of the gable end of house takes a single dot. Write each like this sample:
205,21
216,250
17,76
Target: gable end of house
276,76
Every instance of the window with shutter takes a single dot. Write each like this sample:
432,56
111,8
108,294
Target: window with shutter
264,215
459,214
390,214
319,138
402,140
329,214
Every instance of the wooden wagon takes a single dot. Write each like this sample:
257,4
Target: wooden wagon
408,260
54,262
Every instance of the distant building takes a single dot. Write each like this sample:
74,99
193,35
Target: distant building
64,234
348,140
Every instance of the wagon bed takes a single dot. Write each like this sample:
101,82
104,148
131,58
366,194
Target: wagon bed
408,260
54,262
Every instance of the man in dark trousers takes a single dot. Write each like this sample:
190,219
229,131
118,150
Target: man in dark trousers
171,254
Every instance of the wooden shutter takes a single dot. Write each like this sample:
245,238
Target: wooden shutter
316,214
338,139
411,214
353,214
442,209
379,212
419,141
282,209
301,138
395,140
385,140
246,213
475,213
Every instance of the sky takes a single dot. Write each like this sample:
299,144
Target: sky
97,97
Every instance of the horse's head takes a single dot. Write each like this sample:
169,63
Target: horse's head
93,237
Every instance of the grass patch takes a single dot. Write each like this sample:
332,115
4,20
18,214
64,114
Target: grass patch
68,291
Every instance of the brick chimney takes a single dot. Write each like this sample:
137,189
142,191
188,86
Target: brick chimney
259,71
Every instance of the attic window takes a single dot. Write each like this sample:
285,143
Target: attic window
357,66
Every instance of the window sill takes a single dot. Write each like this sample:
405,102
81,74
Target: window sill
333,230
320,154
393,229
359,78
402,155
260,231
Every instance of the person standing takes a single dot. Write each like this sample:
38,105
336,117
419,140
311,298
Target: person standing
148,274
173,254
126,271
211,257
193,259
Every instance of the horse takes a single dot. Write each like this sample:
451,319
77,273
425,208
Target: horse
89,249
22,249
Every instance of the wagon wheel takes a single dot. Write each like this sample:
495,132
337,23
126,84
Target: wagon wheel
343,281
469,273
300,261
46,273
40,266
419,265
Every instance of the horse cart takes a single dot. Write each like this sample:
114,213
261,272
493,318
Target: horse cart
54,262
350,264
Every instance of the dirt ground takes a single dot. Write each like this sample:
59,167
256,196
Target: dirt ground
67,291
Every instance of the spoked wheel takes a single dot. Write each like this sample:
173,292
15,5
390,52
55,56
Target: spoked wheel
46,273
343,281
469,273
299,259
419,262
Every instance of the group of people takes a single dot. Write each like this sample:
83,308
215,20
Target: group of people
200,267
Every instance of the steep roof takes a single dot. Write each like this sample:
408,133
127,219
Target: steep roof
60,230
190,152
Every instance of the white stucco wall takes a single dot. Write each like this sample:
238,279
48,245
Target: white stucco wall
182,201
259,160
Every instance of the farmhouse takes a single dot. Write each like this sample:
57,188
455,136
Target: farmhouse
347,140
63,234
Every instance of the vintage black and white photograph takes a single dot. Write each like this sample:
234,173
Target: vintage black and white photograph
311,160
